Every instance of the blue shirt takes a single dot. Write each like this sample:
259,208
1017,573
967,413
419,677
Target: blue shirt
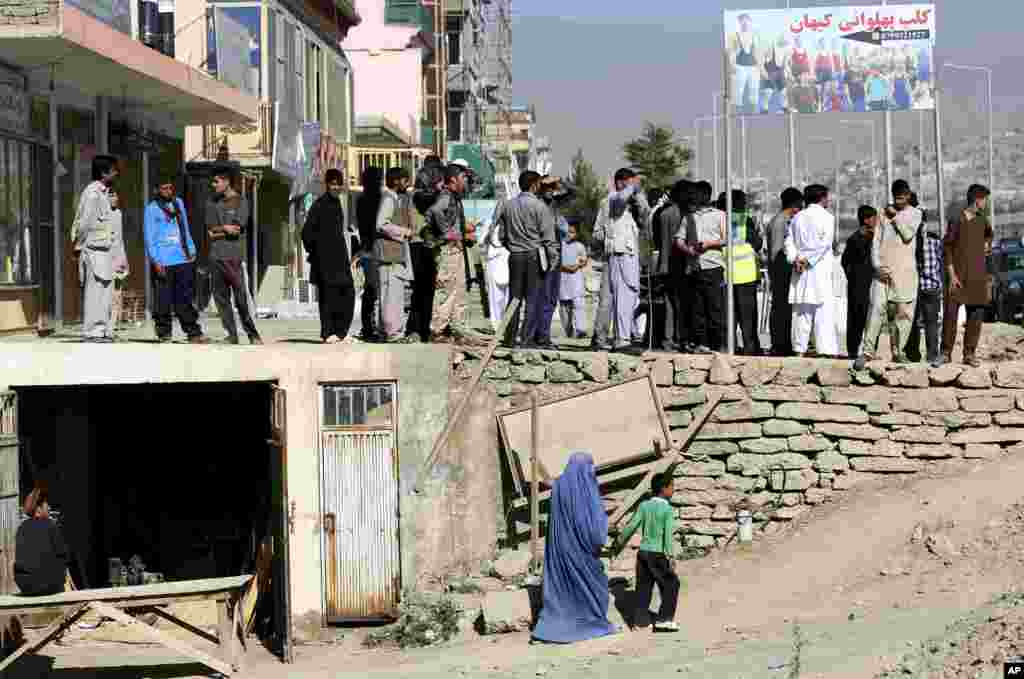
163,237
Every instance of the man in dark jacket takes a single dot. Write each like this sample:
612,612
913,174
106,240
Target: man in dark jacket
326,240
859,272
669,268
780,273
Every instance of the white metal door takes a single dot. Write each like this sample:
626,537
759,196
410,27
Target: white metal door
359,468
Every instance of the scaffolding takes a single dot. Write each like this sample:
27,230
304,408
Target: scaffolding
478,53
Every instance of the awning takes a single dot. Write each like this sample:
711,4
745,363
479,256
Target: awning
98,60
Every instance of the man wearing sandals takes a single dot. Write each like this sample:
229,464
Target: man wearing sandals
327,242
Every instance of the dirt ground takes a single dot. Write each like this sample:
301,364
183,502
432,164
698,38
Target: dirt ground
909,577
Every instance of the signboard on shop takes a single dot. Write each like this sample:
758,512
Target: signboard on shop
832,59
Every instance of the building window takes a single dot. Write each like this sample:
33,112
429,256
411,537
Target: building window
17,226
300,74
281,45
454,32
314,89
456,113
358,405
249,18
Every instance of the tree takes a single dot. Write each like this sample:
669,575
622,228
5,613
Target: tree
589,193
657,154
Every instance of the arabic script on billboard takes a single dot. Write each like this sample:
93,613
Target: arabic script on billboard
832,59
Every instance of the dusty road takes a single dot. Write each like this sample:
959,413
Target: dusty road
846,593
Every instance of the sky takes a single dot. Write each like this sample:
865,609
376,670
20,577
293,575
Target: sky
595,70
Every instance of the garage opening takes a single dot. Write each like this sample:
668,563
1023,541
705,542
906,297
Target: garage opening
189,478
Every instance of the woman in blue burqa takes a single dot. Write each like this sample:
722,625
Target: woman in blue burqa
575,584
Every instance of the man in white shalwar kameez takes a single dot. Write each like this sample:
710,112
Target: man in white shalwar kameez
808,248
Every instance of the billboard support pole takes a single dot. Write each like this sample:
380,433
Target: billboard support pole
791,138
940,196
743,150
730,307
887,125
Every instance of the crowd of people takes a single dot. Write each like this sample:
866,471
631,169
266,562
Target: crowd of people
412,233
900,272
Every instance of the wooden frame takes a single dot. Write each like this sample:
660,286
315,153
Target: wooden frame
112,603
518,460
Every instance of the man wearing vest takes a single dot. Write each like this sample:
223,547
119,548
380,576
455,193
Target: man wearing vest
747,243
618,229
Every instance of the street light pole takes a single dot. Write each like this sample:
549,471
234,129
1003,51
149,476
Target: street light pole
743,150
714,111
991,145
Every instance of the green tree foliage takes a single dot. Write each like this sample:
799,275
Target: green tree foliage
657,154
590,190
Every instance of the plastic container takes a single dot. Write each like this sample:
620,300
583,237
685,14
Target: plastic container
745,526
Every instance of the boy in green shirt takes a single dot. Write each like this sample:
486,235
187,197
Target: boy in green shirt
656,519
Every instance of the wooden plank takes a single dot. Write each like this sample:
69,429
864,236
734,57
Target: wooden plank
615,424
29,609
226,633
534,483
662,419
161,613
524,502
162,638
666,462
442,440
135,594
48,635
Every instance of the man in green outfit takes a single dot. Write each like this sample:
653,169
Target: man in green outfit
656,520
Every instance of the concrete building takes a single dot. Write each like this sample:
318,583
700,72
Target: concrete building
77,81
287,54
396,125
314,453
507,136
466,59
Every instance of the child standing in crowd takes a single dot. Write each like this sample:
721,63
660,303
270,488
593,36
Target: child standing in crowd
570,294
656,521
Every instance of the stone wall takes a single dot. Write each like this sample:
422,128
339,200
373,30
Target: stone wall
788,433
28,12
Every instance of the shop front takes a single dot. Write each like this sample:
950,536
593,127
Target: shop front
76,84
25,223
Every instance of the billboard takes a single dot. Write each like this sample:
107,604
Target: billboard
831,59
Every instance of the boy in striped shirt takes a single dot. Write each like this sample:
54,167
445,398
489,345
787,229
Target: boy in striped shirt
656,520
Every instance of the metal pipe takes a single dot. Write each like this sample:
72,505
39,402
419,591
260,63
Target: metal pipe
58,231
696,150
534,482
714,138
920,155
730,310
148,268
887,125
743,150
939,190
791,137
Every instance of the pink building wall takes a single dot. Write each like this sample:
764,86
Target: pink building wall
387,69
